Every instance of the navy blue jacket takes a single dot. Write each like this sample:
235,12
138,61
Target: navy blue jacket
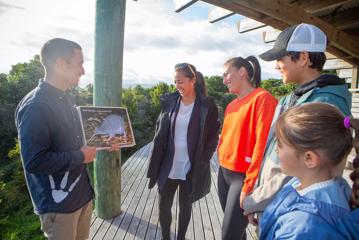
50,136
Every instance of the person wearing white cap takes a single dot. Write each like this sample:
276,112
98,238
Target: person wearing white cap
299,52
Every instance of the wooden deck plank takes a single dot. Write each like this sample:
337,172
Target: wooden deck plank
175,212
130,214
138,212
190,230
198,230
100,226
214,189
216,225
130,190
207,225
143,225
153,222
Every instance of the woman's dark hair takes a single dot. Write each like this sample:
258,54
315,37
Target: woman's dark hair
190,71
316,58
251,65
320,127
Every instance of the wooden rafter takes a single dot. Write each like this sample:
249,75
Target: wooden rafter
280,14
315,6
344,20
281,11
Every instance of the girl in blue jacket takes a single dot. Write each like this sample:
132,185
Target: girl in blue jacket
312,140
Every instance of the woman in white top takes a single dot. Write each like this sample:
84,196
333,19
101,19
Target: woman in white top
185,138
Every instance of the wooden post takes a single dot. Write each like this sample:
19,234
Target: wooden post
355,77
109,37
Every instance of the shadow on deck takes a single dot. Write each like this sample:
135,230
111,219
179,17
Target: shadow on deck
139,217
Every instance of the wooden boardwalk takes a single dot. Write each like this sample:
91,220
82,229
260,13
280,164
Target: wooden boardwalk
139,218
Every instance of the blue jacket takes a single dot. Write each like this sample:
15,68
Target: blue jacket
336,95
319,214
50,135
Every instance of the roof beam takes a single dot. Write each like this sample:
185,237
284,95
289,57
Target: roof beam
183,4
344,19
279,14
345,73
315,6
270,35
247,24
330,56
337,64
291,15
248,12
218,14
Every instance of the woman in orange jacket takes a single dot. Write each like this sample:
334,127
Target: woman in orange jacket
245,129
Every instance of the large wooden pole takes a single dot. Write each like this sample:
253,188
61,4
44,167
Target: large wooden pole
109,37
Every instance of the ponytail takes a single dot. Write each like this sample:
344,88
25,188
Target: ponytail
256,76
354,176
252,67
200,85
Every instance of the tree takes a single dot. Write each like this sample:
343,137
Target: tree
277,88
219,93
143,106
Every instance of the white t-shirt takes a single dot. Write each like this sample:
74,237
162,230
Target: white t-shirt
181,163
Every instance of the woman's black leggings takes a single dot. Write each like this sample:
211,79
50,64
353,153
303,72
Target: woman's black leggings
229,189
166,196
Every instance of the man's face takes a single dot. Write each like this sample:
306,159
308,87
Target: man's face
289,70
73,69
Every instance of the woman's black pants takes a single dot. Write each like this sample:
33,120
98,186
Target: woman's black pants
166,196
229,189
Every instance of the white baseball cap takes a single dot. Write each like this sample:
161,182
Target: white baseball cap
297,38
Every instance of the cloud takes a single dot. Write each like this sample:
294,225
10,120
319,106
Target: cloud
4,7
155,39
154,46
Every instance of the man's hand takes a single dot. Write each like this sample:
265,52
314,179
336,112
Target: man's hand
252,219
89,153
115,145
242,196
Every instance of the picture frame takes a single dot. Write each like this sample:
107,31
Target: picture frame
103,126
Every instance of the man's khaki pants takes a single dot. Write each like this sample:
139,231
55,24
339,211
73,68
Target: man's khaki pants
67,226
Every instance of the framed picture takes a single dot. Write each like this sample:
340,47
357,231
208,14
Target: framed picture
103,126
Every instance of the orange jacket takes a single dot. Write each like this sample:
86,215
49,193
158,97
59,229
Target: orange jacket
244,134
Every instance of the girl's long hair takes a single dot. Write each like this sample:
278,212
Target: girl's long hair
320,127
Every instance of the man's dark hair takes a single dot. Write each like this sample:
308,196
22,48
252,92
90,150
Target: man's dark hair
316,58
57,48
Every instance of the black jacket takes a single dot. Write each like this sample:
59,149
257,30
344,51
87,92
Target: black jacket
202,139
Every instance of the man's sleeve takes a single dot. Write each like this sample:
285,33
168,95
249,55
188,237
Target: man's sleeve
34,129
263,195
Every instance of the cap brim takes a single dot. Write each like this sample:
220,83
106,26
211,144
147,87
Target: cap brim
273,54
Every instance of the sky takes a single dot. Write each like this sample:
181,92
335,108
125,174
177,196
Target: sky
156,37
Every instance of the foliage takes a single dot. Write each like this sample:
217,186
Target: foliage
277,88
17,220
15,85
219,93
143,107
